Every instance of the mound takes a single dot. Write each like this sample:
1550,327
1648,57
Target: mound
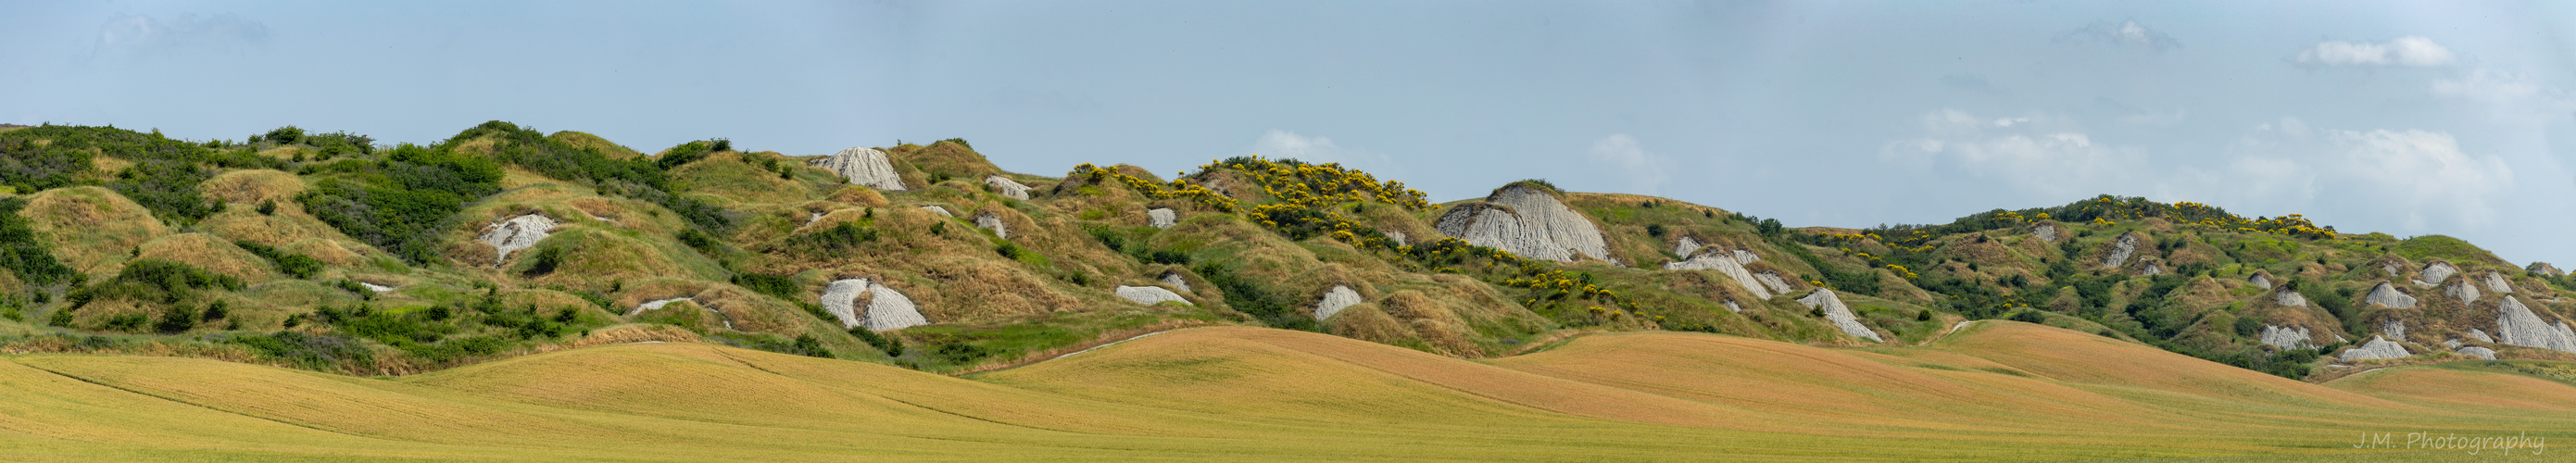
886,308
253,186
91,228
208,252
2492,386
1527,221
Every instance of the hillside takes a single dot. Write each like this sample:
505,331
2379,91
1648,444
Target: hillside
330,252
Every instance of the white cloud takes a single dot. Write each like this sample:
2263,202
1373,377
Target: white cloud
2424,174
2124,34
2413,180
2036,154
1278,144
2405,51
133,36
1640,171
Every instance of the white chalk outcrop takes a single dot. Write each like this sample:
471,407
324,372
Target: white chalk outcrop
2479,352
1398,237
2387,295
2377,348
2259,281
863,166
2287,337
1006,187
2497,283
2289,298
1336,299
2481,336
2121,250
1162,217
1746,256
516,233
1526,221
2152,270
991,221
1731,306
1774,282
1685,246
2544,269
1175,279
942,211
375,288
1150,295
2434,274
2518,326
887,309
2393,328
2045,232
2462,290
1841,315
1712,259
656,304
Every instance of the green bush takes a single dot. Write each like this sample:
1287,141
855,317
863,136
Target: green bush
684,154
294,265
640,178
178,318
546,260
893,347
155,280
2030,316
31,259
403,203
318,352
777,286
842,237
1249,297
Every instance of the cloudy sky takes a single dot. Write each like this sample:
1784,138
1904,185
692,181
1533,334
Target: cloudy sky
2451,118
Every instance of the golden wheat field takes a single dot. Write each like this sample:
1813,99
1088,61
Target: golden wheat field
1993,391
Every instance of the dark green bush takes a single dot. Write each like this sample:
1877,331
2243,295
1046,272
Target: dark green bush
321,352
841,238
155,280
178,318
773,285
1250,298
893,347
20,252
292,264
546,260
684,154
808,346
640,178
2029,316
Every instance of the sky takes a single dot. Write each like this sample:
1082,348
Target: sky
2408,118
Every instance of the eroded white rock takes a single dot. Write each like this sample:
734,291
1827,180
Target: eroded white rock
1398,237
2516,325
1731,306
2044,232
2287,337
1722,263
375,288
863,166
2481,336
517,233
1150,295
1528,222
1162,217
1007,187
886,309
2393,329
2387,295
2479,352
2497,283
2152,270
2462,290
2259,281
656,304
1336,299
2544,269
2377,348
1685,246
2434,274
2121,250
1840,315
2289,298
942,211
1175,279
991,221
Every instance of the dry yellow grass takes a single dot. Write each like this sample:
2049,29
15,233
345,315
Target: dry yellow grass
208,252
91,228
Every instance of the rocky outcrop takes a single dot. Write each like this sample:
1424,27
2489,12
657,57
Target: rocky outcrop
942,211
2044,232
2121,250
2287,337
887,309
2152,270
2434,274
1006,187
1685,246
1731,306
375,288
2377,348
1712,259
991,221
1175,279
1744,256
1398,237
2544,269
1526,221
2479,352
2393,329
1150,295
2481,336
2387,295
863,166
1336,299
655,304
2518,326
1162,217
1774,282
2259,280
516,233
2497,283
2288,298
1840,315
2462,290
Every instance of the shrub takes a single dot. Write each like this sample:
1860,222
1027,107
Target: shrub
1168,257
1923,315
294,265
318,352
546,260
2029,316
2248,327
20,252
178,318
842,237
1010,250
640,179
1250,298
959,352
156,280
892,347
684,154
1655,229
268,207
808,346
125,322
773,285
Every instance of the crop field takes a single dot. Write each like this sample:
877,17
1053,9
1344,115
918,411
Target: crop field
1997,390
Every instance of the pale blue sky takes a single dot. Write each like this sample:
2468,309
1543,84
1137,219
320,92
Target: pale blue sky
2408,118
